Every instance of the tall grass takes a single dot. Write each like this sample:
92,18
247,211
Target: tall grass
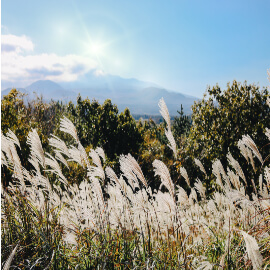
113,221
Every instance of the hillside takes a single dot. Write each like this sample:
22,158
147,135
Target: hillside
140,97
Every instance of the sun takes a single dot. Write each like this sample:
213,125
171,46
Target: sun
97,48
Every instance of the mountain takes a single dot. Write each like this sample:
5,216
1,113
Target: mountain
50,90
7,90
47,89
106,81
140,97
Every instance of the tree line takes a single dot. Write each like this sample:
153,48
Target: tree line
217,123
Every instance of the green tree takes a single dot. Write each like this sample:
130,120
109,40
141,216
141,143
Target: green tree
181,126
129,136
102,125
220,119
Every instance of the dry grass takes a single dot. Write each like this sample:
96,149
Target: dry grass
124,224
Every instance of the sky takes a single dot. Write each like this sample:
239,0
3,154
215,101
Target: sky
181,45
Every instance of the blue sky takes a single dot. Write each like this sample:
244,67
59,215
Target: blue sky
180,45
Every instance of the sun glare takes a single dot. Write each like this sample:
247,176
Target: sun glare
97,48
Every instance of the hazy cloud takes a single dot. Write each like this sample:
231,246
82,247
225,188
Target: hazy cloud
44,72
99,72
8,48
22,66
78,68
16,44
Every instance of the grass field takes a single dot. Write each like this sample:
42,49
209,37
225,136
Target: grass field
113,221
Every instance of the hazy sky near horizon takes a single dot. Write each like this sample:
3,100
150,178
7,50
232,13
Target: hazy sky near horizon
180,45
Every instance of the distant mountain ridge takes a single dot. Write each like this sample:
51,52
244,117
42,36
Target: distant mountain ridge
140,97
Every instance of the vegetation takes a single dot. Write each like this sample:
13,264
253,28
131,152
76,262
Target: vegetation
221,118
101,125
219,121
68,204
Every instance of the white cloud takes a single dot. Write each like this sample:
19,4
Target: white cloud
99,72
11,43
20,65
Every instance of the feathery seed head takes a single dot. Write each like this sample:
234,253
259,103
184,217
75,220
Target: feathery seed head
164,112
236,166
37,153
161,170
183,172
67,126
248,142
199,164
253,251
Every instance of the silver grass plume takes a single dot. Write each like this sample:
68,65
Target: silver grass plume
165,199
193,195
165,114
172,144
75,155
43,181
234,179
128,173
219,171
161,170
67,126
101,153
183,172
51,161
59,145
211,206
182,196
13,138
60,158
253,251
121,184
112,175
129,166
125,187
97,191
132,171
238,196
84,156
94,154
28,177
200,188
234,163
97,170
37,154
199,164
247,141
5,150
246,153
10,258
10,156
